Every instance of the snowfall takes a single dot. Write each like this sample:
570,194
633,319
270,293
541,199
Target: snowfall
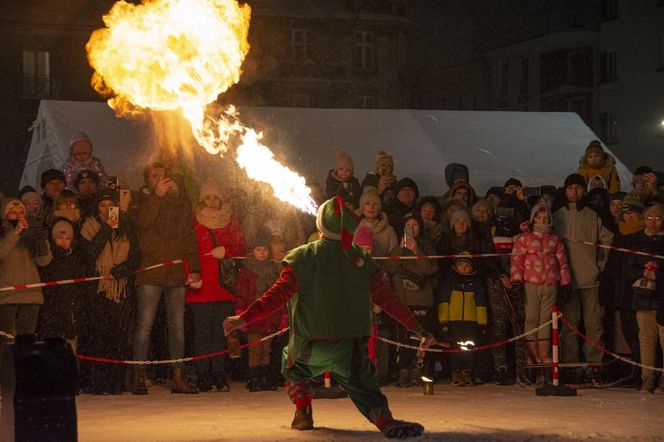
480,413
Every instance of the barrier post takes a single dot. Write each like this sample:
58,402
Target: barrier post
556,389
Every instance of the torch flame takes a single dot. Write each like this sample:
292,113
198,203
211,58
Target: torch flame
179,55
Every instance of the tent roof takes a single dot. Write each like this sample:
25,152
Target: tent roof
535,147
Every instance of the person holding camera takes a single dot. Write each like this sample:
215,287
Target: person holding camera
164,222
413,282
383,179
18,265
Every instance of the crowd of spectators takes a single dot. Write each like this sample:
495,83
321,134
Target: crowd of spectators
85,224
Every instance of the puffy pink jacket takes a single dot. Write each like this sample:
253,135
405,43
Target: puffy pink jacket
539,258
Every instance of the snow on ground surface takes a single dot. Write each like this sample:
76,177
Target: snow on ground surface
482,413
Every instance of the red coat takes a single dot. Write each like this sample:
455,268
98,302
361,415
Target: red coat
232,239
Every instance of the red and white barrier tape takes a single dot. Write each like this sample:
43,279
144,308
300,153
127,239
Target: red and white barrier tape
618,249
79,280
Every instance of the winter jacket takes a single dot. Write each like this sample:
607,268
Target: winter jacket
350,190
385,238
19,266
422,272
539,258
71,169
462,299
165,232
636,265
585,262
468,243
252,281
616,287
396,212
231,238
608,172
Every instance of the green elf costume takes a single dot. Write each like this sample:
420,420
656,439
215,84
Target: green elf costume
329,285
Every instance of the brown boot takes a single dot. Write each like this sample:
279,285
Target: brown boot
180,384
138,385
544,350
303,420
531,349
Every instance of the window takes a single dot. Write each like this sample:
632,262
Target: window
609,9
364,50
402,52
36,74
525,76
505,80
608,66
299,44
364,102
607,127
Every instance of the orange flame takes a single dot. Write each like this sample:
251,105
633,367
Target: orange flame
179,55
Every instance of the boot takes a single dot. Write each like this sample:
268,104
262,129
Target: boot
503,377
403,381
138,386
253,379
180,384
396,429
544,350
648,384
265,383
468,379
531,349
304,419
457,378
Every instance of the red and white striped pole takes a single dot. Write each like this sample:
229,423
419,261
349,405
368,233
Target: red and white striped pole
554,343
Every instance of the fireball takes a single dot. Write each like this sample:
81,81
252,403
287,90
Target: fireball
180,55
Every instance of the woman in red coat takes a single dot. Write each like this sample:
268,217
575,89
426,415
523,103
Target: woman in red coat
219,238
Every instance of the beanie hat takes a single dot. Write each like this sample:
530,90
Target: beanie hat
383,159
465,260
416,217
483,203
62,226
406,182
364,237
107,196
655,209
595,147
495,190
642,170
210,188
617,196
370,193
575,178
633,202
343,160
461,185
26,190
86,173
79,136
11,203
456,171
459,214
262,238
512,182
336,221
52,175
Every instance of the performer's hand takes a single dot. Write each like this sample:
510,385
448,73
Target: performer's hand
233,323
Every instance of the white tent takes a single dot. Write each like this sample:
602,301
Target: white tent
535,147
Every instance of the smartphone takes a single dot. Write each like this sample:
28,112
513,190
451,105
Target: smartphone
407,233
114,216
125,199
113,182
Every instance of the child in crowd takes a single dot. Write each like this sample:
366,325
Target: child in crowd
257,275
383,179
596,162
341,182
462,316
80,157
539,262
67,206
413,282
57,315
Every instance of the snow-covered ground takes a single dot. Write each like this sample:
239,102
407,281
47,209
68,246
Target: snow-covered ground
482,413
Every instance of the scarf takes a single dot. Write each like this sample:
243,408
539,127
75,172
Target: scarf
629,227
116,251
542,228
215,219
72,215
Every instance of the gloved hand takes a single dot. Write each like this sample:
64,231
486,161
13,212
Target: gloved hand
218,252
563,295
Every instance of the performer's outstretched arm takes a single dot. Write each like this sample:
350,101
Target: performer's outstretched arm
272,300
